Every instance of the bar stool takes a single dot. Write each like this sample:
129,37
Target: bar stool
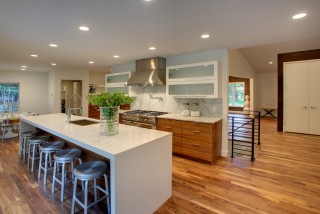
24,138
64,157
90,171
34,143
5,128
46,151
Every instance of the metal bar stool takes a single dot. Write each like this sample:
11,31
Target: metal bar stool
64,157
46,151
24,142
33,151
90,171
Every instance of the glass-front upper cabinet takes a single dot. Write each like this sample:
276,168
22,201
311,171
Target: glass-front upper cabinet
197,80
116,83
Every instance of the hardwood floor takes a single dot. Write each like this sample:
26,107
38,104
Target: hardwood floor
285,178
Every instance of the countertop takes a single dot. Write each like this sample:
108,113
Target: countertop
201,119
89,137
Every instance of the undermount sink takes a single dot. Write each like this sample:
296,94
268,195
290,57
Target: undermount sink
84,122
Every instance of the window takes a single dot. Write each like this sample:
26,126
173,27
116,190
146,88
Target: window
236,94
9,98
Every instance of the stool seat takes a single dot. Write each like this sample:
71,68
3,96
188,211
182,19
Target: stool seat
28,134
90,170
67,155
53,146
39,139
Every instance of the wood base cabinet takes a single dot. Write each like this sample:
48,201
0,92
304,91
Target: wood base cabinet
94,112
198,141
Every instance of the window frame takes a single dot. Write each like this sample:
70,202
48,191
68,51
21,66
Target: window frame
12,111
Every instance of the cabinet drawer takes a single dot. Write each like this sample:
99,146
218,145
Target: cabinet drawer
198,127
197,135
168,122
174,130
197,149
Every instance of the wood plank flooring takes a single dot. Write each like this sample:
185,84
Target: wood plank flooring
285,178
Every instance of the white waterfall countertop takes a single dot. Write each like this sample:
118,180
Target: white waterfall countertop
140,159
201,119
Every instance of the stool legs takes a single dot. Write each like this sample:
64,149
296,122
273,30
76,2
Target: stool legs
63,176
84,204
44,168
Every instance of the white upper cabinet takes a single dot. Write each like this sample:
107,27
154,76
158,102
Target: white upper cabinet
197,80
116,83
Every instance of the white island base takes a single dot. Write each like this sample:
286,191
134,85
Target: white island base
140,159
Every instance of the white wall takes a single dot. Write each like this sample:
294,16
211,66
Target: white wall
33,95
59,75
266,90
169,104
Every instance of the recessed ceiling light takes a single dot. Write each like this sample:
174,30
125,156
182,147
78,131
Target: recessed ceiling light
53,63
299,16
116,56
23,66
84,28
270,63
22,69
91,62
53,45
152,48
147,0
34,55
205,36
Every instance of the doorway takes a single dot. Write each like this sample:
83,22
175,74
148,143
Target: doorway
68,91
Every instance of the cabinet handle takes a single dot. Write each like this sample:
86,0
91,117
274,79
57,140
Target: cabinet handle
313,107
167,127
196,131
304,107
196,144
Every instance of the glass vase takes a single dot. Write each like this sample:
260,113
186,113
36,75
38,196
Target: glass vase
109,120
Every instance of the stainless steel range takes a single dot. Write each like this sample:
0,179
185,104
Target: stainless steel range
141,118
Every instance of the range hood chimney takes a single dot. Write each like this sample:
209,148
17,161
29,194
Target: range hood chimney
149,72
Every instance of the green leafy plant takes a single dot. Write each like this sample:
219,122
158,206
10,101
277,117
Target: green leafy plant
107,99
109,110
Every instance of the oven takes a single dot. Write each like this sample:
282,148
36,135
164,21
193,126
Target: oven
141,118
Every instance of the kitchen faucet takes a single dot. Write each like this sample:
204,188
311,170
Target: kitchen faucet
69,109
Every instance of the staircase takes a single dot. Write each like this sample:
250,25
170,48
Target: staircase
244,133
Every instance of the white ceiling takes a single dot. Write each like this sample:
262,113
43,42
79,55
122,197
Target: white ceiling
128,27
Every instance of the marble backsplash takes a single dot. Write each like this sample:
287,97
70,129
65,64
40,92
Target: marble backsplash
160,102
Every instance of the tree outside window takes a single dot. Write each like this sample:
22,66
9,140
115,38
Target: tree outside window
236,94
9,98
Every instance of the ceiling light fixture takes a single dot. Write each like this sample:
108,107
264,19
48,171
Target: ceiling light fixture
270,63
34,55
91,62
116,56
53,64
152,48
22,69
23,66
147,0
53,45
299,16
84,28
205,36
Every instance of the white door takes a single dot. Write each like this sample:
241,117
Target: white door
296,97
314,97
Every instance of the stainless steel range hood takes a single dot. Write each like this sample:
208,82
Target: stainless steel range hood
149,72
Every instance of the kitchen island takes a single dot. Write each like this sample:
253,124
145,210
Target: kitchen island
140,159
